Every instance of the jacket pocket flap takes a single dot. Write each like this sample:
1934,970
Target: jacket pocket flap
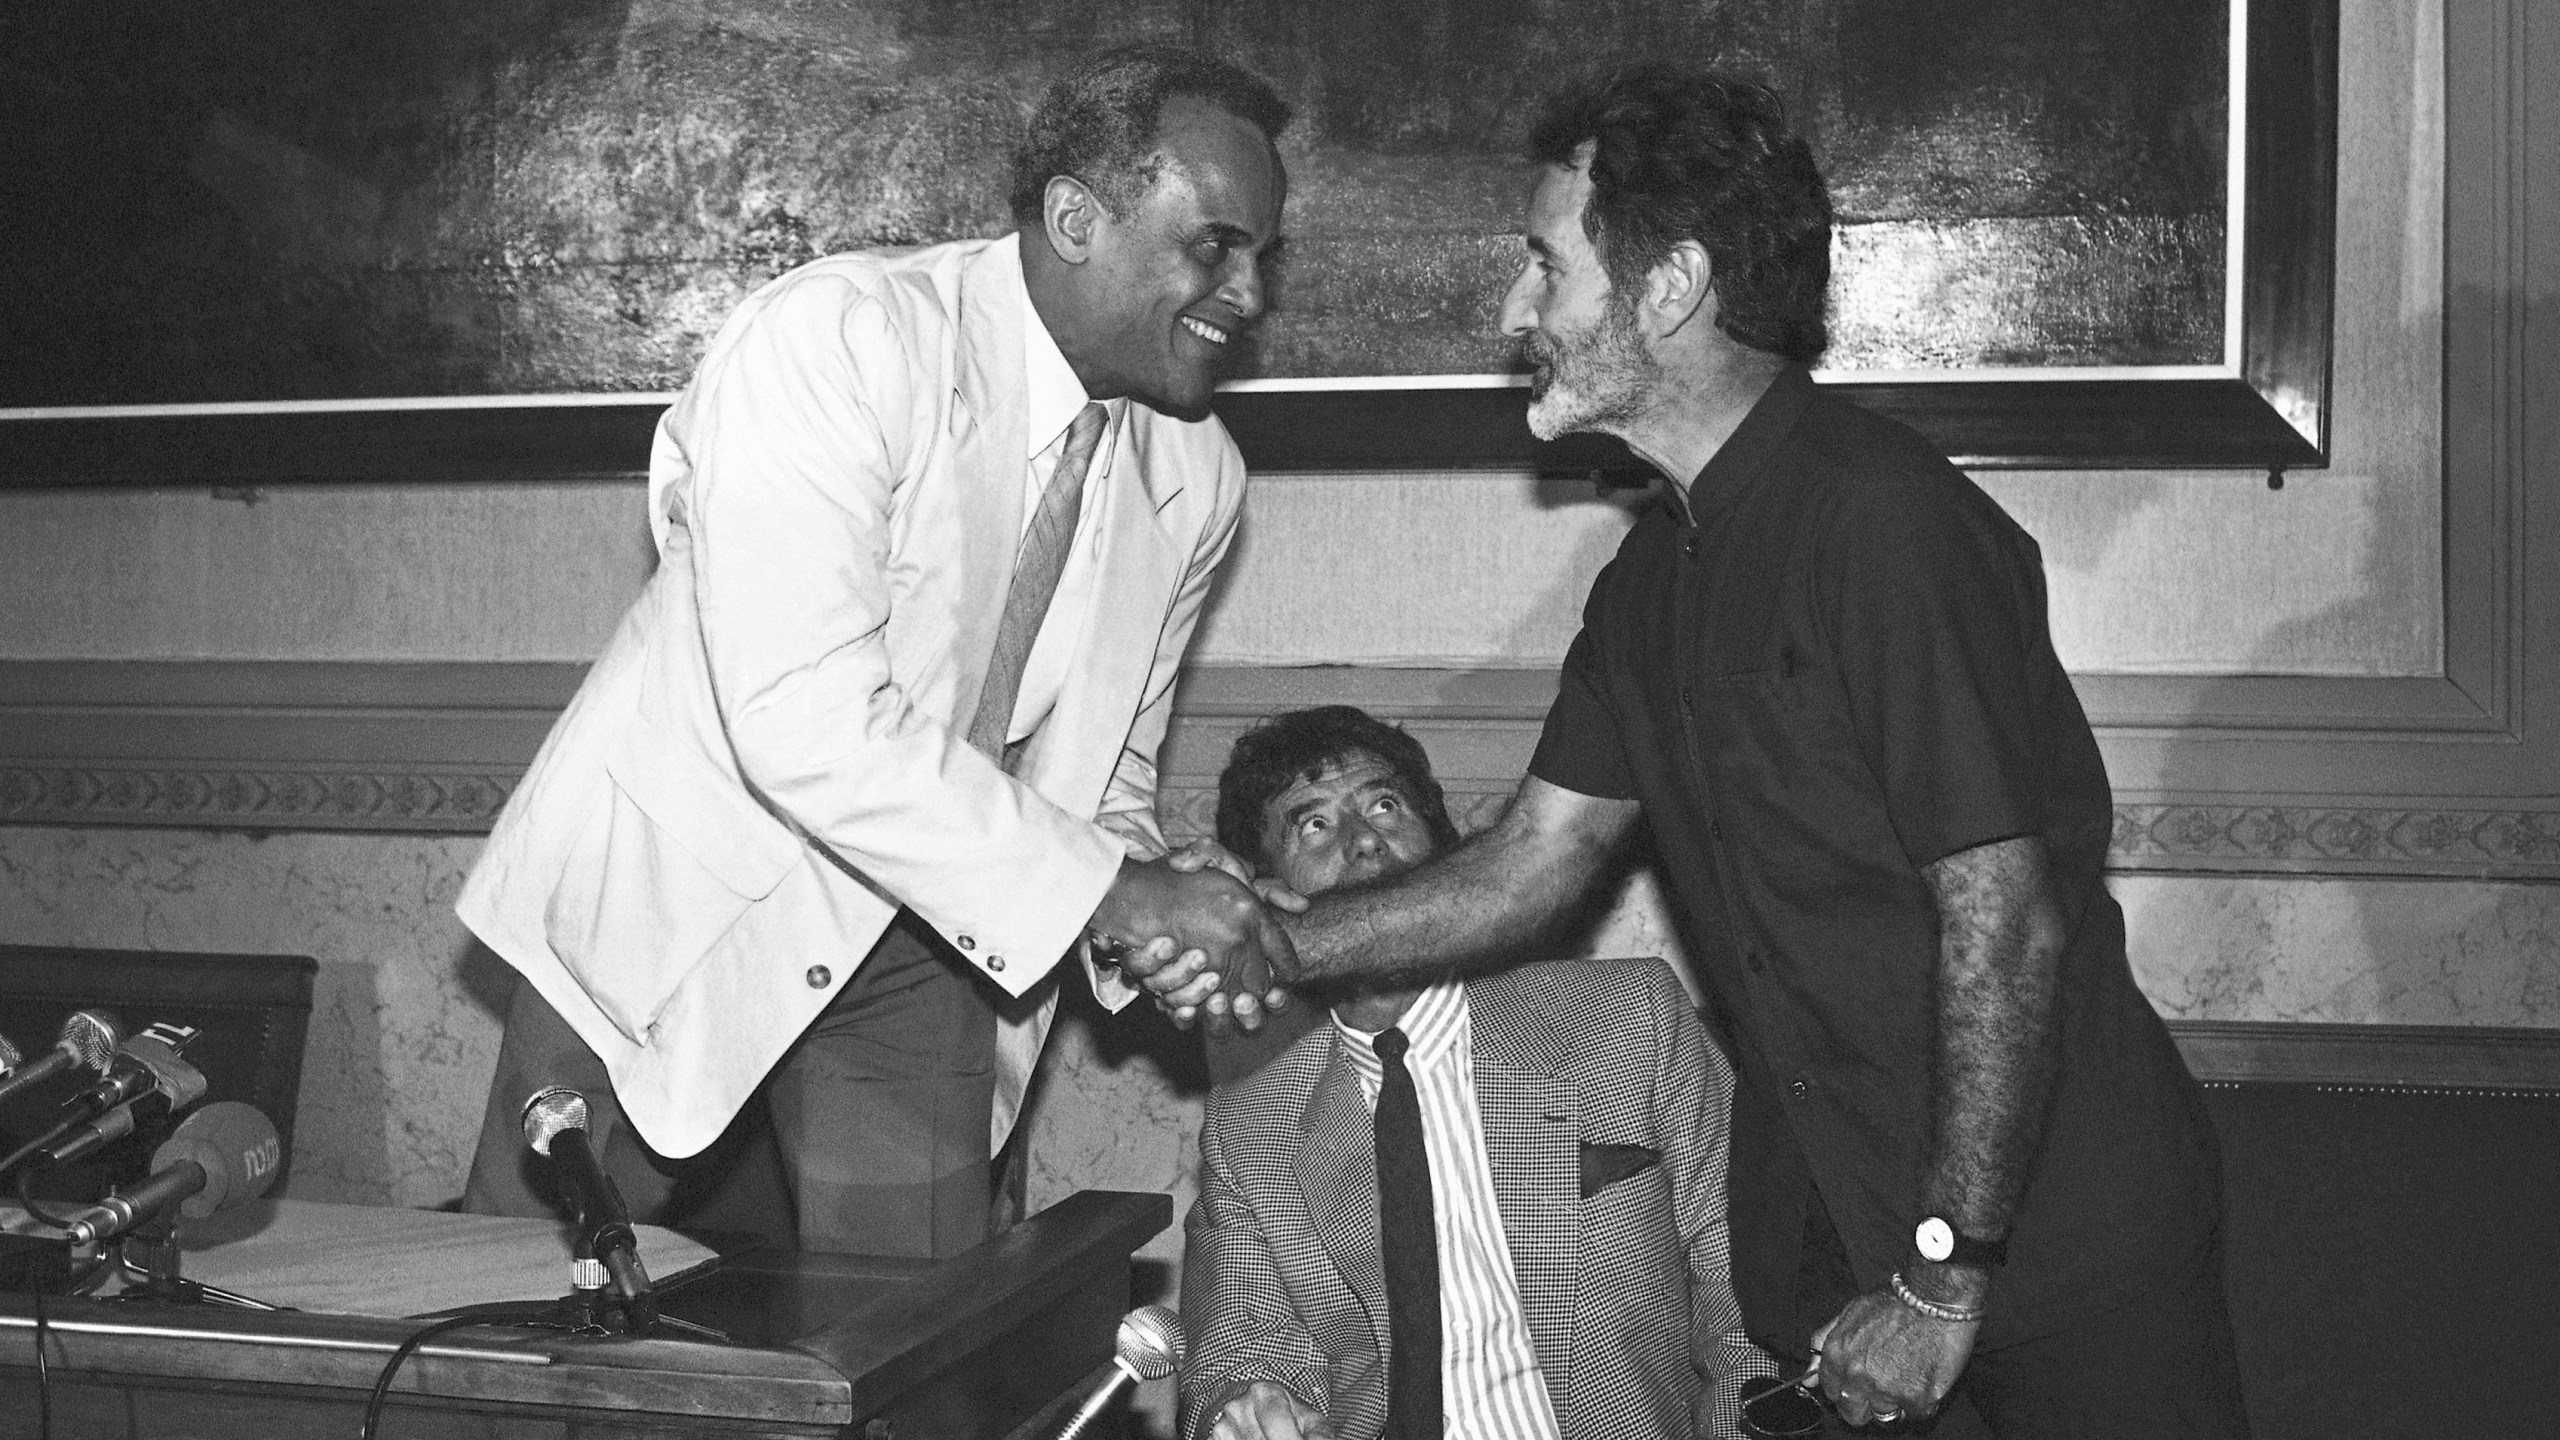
710,815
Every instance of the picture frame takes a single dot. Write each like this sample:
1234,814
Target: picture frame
2268,410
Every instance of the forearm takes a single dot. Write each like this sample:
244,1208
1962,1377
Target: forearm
1475,907
1998,1043
1236,1309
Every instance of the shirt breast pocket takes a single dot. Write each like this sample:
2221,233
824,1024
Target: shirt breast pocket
1786,764
1770,713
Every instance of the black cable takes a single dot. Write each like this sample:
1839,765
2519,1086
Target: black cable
58,1220
391,1367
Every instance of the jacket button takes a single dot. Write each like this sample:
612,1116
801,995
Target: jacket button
1689,547
1757,961
818,977
965,942
1799,1089
995,962
1715,828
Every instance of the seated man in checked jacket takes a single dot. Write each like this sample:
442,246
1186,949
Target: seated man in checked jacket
1551,1263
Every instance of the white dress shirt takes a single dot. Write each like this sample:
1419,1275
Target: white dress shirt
1490,1384
1056,398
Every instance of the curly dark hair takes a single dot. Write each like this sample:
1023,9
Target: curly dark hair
1683,154
1098,123
1298,745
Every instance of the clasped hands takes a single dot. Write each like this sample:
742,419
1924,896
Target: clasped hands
1200,933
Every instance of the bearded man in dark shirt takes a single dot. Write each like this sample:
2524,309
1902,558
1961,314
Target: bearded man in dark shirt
1967,1159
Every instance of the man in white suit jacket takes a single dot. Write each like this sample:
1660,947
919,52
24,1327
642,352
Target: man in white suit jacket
760,839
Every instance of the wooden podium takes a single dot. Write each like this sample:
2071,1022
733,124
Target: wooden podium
999,1342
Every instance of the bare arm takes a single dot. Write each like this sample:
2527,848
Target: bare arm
1474,906
1999,968
2000,938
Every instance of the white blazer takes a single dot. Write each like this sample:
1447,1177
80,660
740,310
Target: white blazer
771,755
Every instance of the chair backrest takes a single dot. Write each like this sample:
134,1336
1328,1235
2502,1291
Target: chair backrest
252,1012
2390,1254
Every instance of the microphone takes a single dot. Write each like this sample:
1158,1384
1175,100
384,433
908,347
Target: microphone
9,1057
555,1125
147,1071
88,1041
1150,1346
220,1158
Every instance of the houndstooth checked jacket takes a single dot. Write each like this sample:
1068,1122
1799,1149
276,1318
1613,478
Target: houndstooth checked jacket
1627,1293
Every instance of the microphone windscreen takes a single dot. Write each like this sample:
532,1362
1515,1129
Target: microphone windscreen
91,1035
548,1112
237,1147
1150,1341
9,1056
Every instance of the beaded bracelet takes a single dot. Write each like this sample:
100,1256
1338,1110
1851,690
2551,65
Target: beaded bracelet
1951,1314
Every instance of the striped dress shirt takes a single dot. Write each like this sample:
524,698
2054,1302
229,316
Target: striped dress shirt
1490,1383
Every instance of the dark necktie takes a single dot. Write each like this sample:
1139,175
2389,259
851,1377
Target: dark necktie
1035,579
1409,1241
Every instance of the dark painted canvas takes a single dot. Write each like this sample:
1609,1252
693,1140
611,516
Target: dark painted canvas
262,199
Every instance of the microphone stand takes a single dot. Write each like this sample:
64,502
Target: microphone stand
590,1308
149,1252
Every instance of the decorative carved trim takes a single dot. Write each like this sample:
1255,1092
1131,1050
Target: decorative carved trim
2221,839
407,799
2337,840
2388,1057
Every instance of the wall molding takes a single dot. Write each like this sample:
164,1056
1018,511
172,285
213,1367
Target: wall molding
437,748
2389,1057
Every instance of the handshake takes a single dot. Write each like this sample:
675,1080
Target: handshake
1200,933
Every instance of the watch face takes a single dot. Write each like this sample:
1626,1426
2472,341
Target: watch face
1936,1239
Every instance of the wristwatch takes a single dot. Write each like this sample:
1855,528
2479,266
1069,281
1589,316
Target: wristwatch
1937,1239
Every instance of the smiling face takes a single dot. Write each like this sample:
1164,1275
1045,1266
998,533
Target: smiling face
1354,823
1169,285
1591,371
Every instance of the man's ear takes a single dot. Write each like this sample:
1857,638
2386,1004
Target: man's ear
1679,289
1069,215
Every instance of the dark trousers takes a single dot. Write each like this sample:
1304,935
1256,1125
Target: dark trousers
879,1113
2162,1364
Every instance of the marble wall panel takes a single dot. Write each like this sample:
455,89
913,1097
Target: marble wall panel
404,1024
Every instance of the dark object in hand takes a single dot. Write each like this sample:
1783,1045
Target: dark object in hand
1774,1408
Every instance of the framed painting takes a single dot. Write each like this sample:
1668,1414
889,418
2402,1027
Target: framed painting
272,241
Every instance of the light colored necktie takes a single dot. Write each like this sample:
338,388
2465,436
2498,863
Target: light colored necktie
1035,579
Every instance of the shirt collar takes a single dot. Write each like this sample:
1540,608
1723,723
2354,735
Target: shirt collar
1435,1024
1055,394
1746,453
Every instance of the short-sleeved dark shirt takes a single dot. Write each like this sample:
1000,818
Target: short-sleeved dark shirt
1838,673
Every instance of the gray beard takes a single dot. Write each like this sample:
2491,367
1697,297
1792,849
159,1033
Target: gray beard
1594,381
